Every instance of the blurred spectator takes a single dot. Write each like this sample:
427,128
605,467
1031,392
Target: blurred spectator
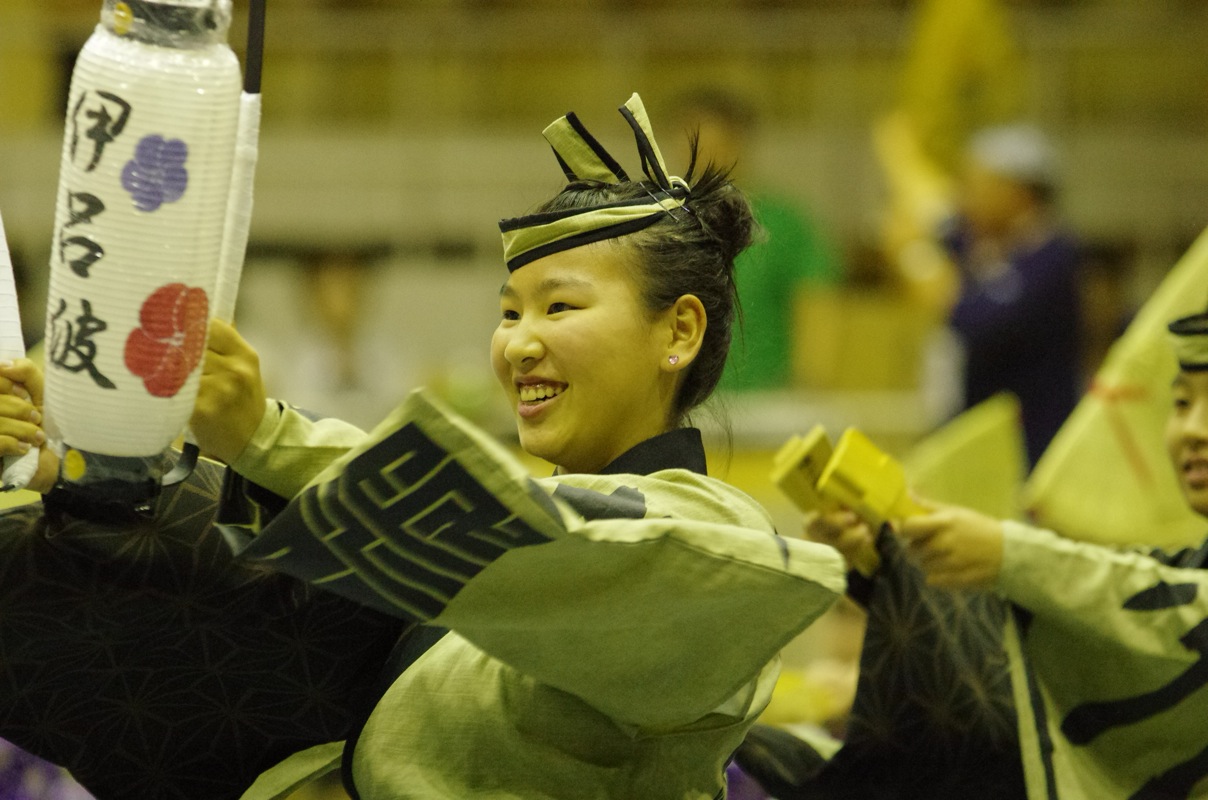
1017,304
793,253
336,283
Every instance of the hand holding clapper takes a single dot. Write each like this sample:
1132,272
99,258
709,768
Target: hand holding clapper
855,474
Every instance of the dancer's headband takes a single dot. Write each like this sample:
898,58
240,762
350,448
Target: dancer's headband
1189,335
528,238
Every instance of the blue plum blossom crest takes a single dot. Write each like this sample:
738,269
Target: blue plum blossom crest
157,174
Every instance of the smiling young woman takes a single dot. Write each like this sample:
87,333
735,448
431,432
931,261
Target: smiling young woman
602,676
587,366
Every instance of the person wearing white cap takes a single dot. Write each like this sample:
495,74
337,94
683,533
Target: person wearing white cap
1017,313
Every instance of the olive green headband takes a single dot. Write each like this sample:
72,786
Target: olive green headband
1189,335
528,238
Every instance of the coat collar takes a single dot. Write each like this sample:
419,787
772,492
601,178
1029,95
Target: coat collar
681,448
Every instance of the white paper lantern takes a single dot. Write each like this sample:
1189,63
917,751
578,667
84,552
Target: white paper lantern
144,181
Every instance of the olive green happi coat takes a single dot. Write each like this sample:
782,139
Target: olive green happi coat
1110,668
646,611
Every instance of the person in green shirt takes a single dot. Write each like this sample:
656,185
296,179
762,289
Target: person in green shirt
792,252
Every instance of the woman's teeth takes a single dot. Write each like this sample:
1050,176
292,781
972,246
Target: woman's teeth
540,391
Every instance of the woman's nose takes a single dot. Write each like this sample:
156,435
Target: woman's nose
523,345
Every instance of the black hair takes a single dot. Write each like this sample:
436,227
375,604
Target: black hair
689,250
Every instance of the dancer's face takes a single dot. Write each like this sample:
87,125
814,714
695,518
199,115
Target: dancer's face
581,359
1187,437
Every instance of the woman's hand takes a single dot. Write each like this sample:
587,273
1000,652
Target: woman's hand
231,397
958,548
21,420
844,531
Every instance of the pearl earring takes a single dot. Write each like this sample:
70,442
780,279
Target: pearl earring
673,360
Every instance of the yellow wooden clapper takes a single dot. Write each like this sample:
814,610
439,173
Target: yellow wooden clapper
866,480
798,465
796,468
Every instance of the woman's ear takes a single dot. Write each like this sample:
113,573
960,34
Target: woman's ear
686,321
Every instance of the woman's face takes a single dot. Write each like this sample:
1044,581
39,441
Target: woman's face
1187,437
581,359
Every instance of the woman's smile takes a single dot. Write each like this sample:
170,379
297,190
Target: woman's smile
535,398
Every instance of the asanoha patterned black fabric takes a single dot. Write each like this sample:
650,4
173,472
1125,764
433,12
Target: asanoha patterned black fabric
154,665
933,715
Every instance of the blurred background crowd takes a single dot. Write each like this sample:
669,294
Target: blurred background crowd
960,197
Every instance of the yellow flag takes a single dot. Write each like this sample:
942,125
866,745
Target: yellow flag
963,72
1106,477
974,460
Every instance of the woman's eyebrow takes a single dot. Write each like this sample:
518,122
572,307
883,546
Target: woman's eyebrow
548,285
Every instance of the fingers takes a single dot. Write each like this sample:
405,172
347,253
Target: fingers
930,539
21,419
934,517
223,339
228,380
229,356
230,370
47,473
828,527
842,530
920,528
932,553
231,396
8,387
17,438
20,412
956,547
22,377
854,539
